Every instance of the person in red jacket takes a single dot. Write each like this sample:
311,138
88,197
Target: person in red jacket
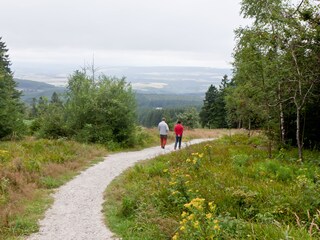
178,129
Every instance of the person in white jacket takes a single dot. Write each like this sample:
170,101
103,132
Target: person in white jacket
163,130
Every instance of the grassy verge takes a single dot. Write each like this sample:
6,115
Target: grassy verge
29,171
227,189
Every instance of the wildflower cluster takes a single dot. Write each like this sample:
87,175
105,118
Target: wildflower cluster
198,216
195,160
179,184
179,189
198,221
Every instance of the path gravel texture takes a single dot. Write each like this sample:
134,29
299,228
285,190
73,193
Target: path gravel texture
77,209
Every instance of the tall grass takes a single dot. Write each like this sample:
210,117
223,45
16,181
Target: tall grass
225,189
29,169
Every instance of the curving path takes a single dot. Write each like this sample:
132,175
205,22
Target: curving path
77,210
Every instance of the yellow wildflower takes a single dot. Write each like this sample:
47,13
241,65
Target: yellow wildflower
183,221
212,207
191,217
184,214
176,236
187,205
209,215
196,224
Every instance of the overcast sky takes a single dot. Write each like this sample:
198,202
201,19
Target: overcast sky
59,33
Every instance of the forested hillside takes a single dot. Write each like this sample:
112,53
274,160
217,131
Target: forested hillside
32,89
169,100
150,106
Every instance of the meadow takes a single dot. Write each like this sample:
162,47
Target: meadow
31,169
223,189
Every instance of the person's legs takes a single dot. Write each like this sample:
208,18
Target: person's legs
161,141
164,140
175,144
180,138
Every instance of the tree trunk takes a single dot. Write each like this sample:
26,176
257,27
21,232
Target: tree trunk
282,129
298,135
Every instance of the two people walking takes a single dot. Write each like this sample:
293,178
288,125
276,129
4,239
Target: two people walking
164,130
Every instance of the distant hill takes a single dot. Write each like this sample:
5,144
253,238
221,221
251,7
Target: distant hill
170,80
152,80
34,89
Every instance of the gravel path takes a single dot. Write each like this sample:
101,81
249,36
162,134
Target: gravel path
77,210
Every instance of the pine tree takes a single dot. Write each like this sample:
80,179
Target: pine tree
10,106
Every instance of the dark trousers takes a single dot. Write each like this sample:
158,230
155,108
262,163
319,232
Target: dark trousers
178,140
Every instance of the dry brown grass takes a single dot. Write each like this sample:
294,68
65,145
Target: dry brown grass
210,133
20,183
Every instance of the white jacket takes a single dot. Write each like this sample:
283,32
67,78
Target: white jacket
163,128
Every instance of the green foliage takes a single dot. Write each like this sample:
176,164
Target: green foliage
93,110
11,109
152,117
275,71
213,113
100,111
189,118
255,197
129,206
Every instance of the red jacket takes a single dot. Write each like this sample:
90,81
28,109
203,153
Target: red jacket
178,129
